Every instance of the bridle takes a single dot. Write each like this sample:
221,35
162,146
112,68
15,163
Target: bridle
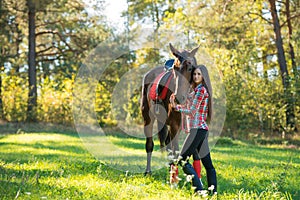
182,60
176,79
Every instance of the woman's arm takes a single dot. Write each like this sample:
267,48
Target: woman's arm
199,96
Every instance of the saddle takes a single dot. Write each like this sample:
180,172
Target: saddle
159,88
169,64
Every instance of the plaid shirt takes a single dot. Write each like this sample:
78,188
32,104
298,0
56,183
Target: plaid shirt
197,108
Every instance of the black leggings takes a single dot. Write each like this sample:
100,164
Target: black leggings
196,143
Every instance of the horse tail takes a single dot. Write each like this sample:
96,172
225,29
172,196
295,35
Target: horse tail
145,108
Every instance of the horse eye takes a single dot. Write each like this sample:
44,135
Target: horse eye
190,69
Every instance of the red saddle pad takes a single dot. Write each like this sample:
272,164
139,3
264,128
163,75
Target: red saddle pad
160,86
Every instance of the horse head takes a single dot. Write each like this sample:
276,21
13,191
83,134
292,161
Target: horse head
184,63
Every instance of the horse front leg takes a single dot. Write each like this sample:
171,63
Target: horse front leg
173,143
174,135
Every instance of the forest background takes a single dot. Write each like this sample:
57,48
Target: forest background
253,44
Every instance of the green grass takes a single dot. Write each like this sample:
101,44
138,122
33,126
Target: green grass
59,166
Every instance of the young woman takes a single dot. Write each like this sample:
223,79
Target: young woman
196,142
186,127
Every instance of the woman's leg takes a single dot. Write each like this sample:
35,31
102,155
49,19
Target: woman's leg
203,148
192,141
197,163
207,162
189,170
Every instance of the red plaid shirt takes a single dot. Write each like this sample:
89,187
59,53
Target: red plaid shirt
197,108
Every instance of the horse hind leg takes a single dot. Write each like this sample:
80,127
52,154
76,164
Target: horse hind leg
168,140
168,143
148,128
162,134
149,149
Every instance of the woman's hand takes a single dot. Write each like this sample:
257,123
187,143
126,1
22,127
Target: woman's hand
172,100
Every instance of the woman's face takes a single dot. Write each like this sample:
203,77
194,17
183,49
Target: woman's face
197,76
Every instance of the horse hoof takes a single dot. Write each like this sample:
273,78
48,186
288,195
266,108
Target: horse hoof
147,173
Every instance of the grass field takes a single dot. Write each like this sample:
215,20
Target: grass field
58,166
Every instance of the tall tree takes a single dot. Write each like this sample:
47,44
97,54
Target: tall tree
294,95
64,32
2,36
32,95
290,34
283,66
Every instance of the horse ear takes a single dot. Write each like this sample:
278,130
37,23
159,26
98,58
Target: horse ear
194,51
175,52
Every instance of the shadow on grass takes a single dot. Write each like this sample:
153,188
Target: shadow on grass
22,127
129,143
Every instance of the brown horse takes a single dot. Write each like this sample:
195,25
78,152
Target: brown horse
160,109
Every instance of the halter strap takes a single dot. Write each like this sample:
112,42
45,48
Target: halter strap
176,81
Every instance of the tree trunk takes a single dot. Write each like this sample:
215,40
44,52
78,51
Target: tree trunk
1,102
294,65
2,60
290,28
282,65
32,95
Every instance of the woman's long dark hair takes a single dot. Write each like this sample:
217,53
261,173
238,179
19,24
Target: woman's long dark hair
207,84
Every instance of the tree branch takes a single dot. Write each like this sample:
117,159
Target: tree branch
260,16
286,21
